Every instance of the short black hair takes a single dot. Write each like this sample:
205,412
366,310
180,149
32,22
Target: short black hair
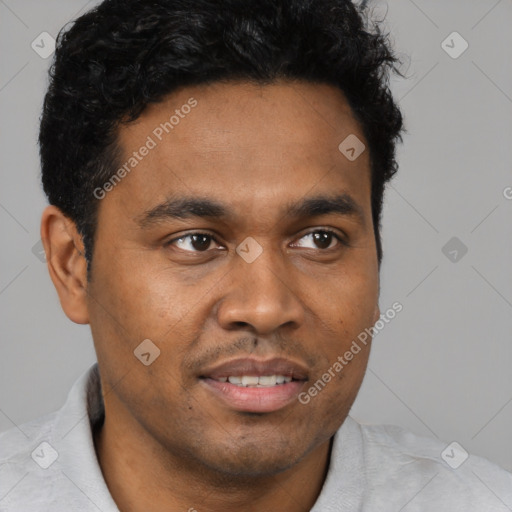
125,54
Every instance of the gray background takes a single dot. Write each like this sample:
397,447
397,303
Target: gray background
442,366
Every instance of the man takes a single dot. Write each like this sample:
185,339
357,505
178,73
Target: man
215,173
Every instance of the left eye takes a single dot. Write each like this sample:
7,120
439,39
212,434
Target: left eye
322,238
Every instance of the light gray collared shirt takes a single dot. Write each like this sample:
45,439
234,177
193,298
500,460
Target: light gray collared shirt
50,464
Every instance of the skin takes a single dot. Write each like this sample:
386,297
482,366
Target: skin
167,443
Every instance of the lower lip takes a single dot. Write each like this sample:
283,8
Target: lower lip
253,399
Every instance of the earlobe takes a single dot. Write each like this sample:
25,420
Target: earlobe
66,263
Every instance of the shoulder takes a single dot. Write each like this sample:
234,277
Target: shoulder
17,441
24,451
49,463
428,474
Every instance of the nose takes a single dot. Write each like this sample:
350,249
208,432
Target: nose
261,296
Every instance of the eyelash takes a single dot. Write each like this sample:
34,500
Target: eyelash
212,237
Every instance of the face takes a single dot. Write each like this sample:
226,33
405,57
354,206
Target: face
241,244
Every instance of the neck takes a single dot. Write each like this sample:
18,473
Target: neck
141,475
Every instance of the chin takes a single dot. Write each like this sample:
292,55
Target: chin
253,459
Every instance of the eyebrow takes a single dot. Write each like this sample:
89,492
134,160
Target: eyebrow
201,207
342,204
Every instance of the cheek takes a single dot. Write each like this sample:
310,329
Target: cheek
345,302
140,303
140,298
345,307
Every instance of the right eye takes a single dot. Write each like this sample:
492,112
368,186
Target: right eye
192,242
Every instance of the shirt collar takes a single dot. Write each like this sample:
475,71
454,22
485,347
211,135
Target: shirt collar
72,434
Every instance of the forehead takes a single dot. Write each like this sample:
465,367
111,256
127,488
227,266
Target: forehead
244,143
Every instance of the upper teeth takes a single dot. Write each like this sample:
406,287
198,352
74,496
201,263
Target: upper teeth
252,380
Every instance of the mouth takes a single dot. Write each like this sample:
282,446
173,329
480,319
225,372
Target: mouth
250,385
254,381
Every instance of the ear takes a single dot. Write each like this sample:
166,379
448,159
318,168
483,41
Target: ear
67,266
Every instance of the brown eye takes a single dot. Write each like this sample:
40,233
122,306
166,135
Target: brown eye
320,239
193,242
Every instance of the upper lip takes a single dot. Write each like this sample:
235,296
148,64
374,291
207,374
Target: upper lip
257,367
